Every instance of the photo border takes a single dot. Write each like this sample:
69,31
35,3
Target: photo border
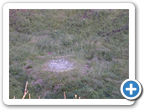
8,6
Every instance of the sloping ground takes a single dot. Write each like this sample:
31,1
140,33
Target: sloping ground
95,44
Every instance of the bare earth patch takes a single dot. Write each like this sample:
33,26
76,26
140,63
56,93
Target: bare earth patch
59,64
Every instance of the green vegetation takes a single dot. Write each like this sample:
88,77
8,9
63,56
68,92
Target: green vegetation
97,39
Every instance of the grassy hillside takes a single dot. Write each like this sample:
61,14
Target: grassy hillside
98,40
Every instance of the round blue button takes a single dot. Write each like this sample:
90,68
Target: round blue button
131,89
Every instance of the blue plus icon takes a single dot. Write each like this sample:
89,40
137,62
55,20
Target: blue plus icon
130,89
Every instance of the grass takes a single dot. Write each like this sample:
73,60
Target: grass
26,92
98,40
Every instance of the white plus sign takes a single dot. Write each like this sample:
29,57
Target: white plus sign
131,89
